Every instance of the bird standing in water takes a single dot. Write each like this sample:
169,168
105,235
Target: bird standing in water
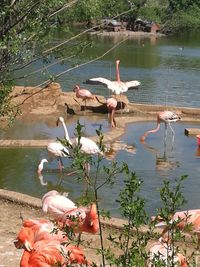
166,117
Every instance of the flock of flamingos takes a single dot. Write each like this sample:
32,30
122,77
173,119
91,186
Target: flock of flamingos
45,247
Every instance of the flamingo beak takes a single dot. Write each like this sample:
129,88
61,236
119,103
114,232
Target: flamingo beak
17,244
28,246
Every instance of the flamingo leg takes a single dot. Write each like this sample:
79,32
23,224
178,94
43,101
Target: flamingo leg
113,122
173,135
60,164
165,139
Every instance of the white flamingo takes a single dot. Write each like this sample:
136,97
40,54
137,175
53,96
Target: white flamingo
88,146
56,149
118,87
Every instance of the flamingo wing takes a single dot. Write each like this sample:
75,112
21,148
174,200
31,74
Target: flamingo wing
88,146
58,150
132,84
103,81
57,202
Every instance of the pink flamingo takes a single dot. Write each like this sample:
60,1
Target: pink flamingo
82,219
53,202
41,166
63,210
161,250
84,94
118,87
36,230
111,104
183,218
51,253
166,117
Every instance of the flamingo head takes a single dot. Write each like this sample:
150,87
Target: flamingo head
117,61
93,221
76,87
60,119
24,239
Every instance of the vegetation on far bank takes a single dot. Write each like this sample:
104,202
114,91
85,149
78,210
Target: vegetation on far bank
26,31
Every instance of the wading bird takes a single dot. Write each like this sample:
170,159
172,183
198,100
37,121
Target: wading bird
41,166
166,117
88,146
57,150
117,87
84,94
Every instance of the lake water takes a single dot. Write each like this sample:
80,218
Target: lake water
168,69
18,166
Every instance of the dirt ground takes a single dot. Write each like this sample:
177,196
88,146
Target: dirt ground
15,206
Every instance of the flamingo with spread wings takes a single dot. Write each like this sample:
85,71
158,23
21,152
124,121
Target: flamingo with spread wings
117,87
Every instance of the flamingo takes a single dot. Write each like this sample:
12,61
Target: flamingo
36,230
56,149
118,87
84,94
183,218
82,219
53,202
41,166
50,253
160,251
111,104
63,210
166,117
88,146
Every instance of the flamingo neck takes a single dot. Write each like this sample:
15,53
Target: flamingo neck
117,71
66,132
150,131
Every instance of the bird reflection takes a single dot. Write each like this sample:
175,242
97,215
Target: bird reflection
113,148
41,178
163,162
61,176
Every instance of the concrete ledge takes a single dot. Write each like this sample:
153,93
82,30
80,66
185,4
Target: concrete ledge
192,131
26,200
19,198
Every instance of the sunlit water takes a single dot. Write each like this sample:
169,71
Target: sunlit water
152,163
168,69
